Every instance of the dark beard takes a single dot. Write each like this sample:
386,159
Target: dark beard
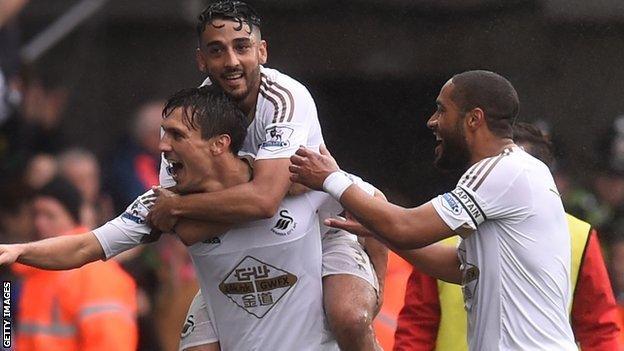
454,155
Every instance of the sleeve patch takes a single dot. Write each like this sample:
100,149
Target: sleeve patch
277,138
451,204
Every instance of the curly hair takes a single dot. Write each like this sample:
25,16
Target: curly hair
238,11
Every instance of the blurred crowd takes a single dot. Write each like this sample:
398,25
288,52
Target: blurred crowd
35,152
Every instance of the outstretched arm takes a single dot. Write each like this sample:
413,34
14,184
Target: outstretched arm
59,253
400,227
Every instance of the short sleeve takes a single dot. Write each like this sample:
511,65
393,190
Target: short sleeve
128,230
290,120
503,192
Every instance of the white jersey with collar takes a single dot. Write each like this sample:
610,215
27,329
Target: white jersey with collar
285,118
516,262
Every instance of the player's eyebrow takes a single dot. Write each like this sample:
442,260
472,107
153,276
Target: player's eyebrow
213,43
238,40
170,129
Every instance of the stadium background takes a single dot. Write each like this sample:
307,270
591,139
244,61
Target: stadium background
373,67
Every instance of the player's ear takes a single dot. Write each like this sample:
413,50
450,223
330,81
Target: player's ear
475,118
262,52
221,144
201,62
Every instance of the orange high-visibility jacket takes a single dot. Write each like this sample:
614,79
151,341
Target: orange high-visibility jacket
91,308
385,323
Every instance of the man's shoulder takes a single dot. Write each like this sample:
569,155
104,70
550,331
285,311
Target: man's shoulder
279,83
499,169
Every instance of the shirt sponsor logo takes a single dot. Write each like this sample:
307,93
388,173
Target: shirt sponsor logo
256,286
277,138
469,204
285,224
451,204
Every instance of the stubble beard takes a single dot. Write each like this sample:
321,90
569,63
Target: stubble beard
454,155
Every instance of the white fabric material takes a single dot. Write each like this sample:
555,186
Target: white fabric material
516,262
343,255
128,230
285,118
197,329
261,277
254,277
336,184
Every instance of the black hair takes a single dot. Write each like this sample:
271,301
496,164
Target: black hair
63,191
209,110
493,94
535,142
238,11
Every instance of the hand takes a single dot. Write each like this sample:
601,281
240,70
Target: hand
161,214
311,169
9,254
349,224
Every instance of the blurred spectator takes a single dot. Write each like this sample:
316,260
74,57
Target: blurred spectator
178,286
41,169
82,169
16,213
87,309
34,127
601,203
616,265
135,164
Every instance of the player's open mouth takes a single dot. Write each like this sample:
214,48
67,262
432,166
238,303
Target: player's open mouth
231,77
174,168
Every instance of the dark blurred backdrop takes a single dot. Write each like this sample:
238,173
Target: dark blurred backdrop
374,68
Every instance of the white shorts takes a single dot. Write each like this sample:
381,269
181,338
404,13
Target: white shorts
342,254
197,329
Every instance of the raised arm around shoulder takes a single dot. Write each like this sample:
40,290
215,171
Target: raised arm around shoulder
58,253
257,199
402,228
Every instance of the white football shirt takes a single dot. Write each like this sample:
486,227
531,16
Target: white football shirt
285,118
261,280
516,263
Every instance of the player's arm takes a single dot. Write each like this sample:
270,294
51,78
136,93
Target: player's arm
437,260
58,253
399,227
256,199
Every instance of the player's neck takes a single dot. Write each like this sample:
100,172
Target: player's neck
248,104
490,147
233,171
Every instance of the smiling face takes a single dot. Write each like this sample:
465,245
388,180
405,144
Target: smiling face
231,54
447,124
189,156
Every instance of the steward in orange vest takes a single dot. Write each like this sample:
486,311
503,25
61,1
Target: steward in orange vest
85,309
